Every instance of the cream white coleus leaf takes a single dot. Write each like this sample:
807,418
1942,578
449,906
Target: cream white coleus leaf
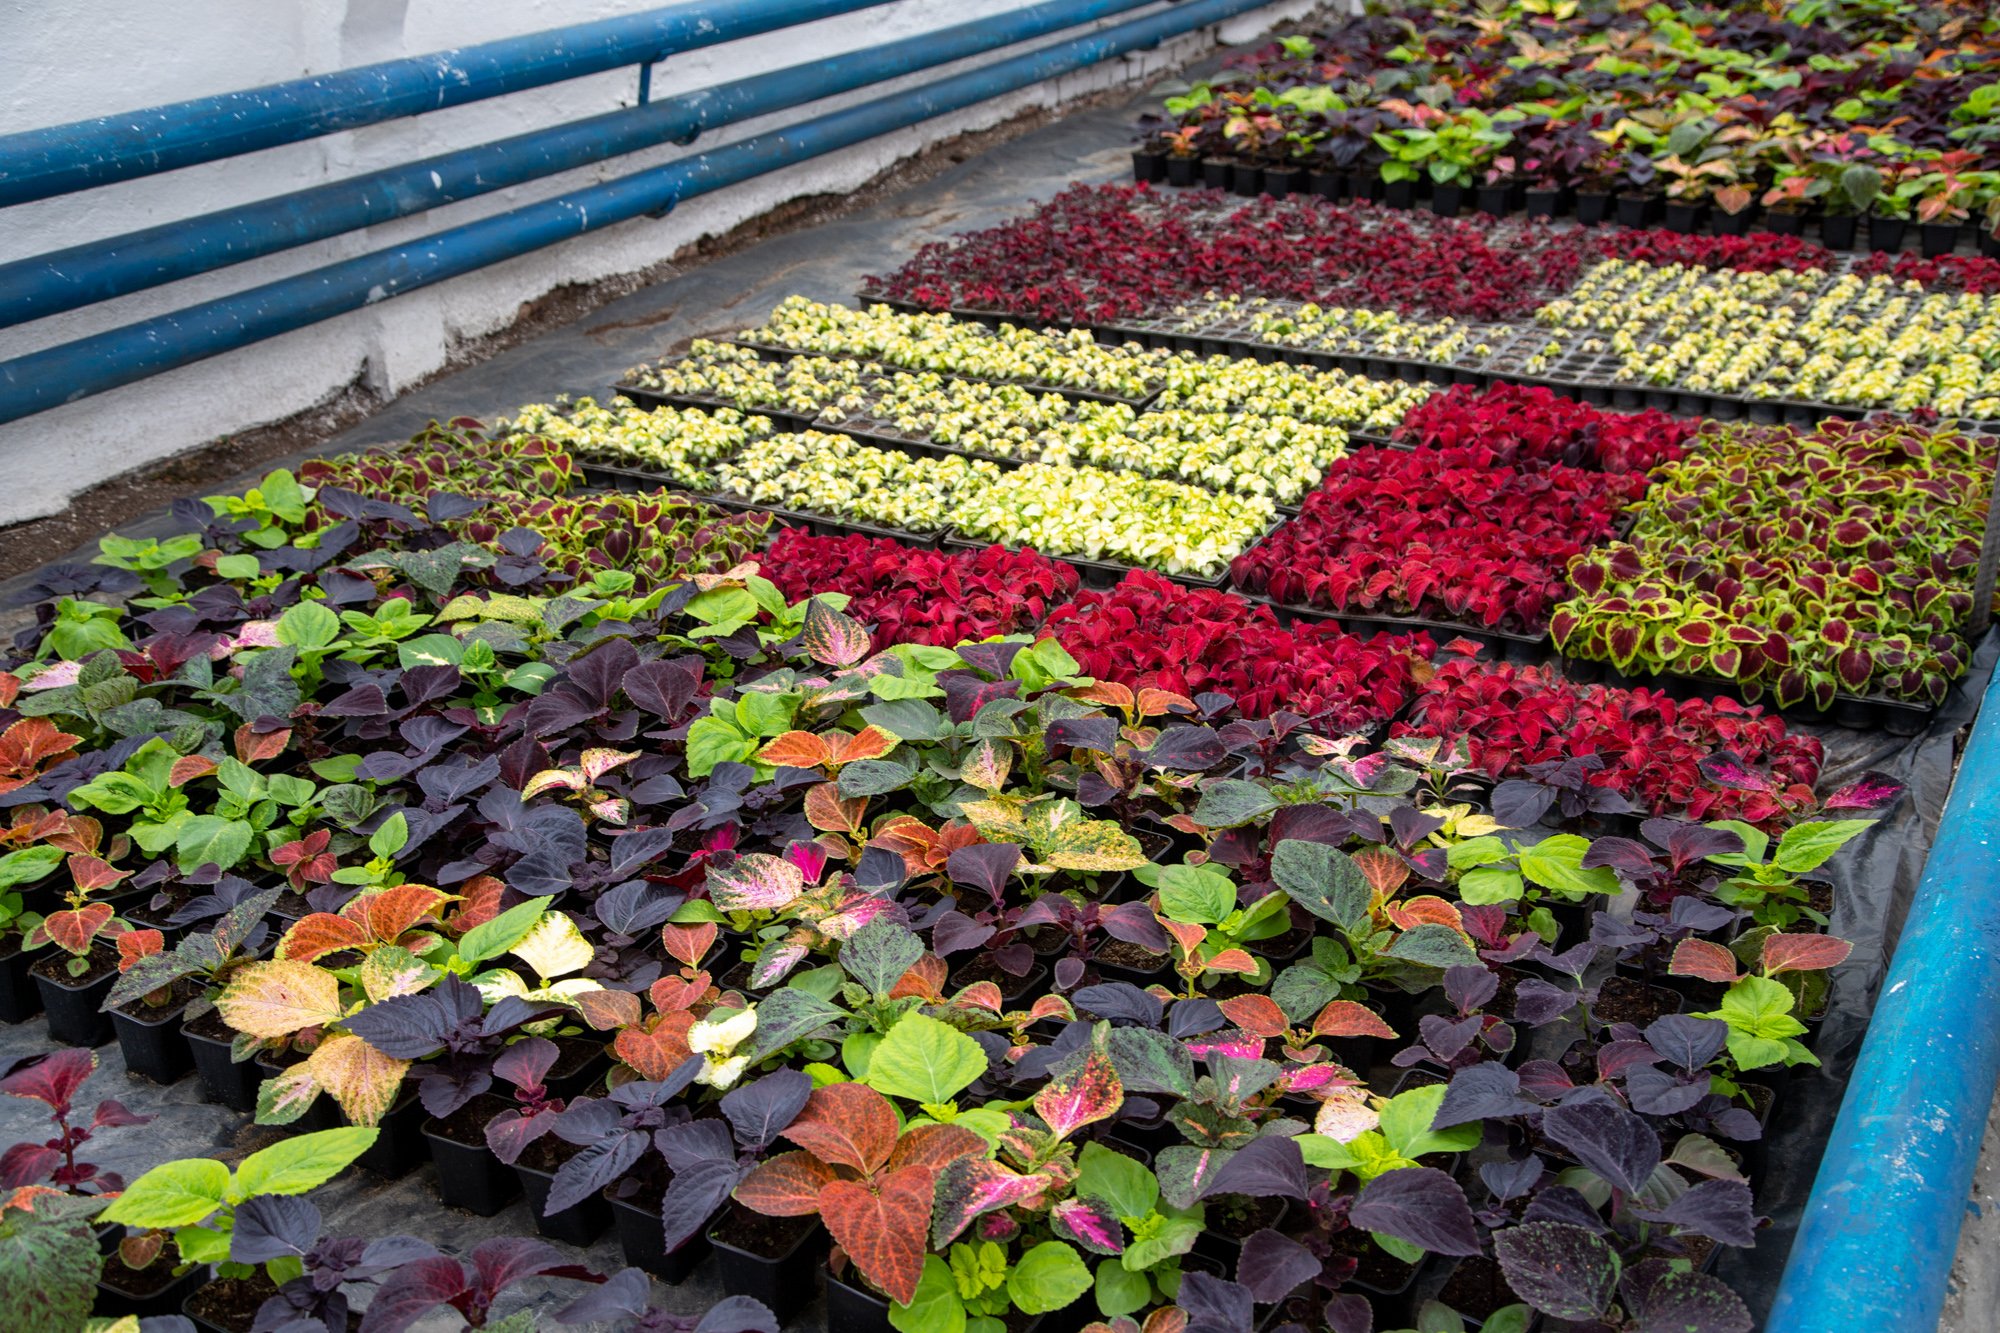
555,947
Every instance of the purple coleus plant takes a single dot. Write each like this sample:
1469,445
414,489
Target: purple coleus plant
709,1157
272,1228
449,1020
624,1302
525,1065
416,1288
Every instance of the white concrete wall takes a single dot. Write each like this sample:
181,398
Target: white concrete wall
67,60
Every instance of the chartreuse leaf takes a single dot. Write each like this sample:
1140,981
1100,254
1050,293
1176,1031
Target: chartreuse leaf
1048,1277
924,1060
1123,1182
936,1307
301,1164
1121,1291
172,1194
492,938
1406,1123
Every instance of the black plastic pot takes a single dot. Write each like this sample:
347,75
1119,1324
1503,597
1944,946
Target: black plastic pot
398,1150
643,1238
1684,217
1836,230
854,1309
1724,223
1281,181
260,1290
1246,179
72,1007
1542,203
1494,199
1785,221
1939,238
1182,172
579,1224
1592,207
1399,194
152,1043
1989,245
1447,200
1215,173
223,1081
1635,210
1328,184
1148,165
20,997
470,1177
122,1291
784,1281
1886,234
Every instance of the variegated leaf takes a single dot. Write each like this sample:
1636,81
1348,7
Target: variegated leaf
362,1079
278,998
755,882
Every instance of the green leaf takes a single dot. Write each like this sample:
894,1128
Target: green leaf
1489,885
430,650
1047,1277
1166,1234
1556,862
1123,1182
172,1194
308,626
935,1307
492,938
206,838
1406,1124
52,1265
715,740
1199,895
1232,802
238,567
762,713
1120,1290
906,719
1324,880
1808,846
925,1060
790,1015
28,865
391,837
1433,945
297,1165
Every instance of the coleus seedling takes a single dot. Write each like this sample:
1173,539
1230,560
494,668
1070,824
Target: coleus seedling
469,1286
1757,1006
148,969
1196,904
314,1272
709,1158
54,1080
625,1301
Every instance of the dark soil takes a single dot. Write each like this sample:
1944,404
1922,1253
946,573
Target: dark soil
766,1237
154,1278
1283,946
179,995
983,968
573,1053
291,903
1129,956
467,1125
1047,939
1376,1269
546,1153
103,962
211,1026
1239,1216
1477,1288
232,1302
1623,1000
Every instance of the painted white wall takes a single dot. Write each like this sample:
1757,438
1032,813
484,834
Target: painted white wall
71,59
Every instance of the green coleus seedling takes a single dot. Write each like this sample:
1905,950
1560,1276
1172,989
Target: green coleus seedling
1759,1006
1148,1268
1197,904
1503,869
1769,881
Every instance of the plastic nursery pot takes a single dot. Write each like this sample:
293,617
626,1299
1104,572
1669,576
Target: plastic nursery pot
1683,217
1399,194
1547,203
72,1002
1148,165
1282,181
20,997
1785,221
1837,230
580,1063
1232,1219
1939,238
1624,1000
223,1081
398,1150
228,1305
1013,989
642,1236
1215,173
1447,200
1183,172
1724,223
1246,179
1493,199
1592,207
145,1292
1635,210
469,1176
1886,234
770,1258
580,1223
150,1037
1475,1288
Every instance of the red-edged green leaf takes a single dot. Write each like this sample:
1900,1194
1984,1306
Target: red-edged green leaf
797,749
1803,953
189,767
1704,959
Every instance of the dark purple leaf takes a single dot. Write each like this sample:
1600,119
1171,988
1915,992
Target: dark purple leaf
1270,1167
271,1226
1215,1306
1272,1265
1615,1059
410,1027
758,1111
1121,1002
995,659
1135,923
1718,1209
1410,826
1621,854
1421,1205
1447,1037
1069,971
1537,1002
665,689
1487,1091
1469,988
598,1165
1561,1270
1514,1178
694,1196
501,1262
639,847
1186,749
1544,1080
985,866
1606,1138
413,1291
1665,1300
1193,1018
1656,1092
1521,804
955,932
1085,733
1687,1041
1560,1203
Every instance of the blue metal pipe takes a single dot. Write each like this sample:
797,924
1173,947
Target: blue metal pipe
73,370
1880,1231
37,164
81,275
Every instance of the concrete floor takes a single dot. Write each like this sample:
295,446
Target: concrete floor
826,263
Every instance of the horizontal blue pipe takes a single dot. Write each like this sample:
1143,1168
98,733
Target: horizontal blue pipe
62,280
46,379
37,164
1876,1243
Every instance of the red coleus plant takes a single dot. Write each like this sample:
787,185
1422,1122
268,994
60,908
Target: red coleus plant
1653,746
1151,632
1449,534
916,596
1524,423
868,1179
1947,273
1101,254
1753,252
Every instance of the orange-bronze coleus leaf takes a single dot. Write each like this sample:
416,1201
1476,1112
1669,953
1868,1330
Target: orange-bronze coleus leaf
796,749
846,1124
1704,959
1346,1018
786,1184
883,1226
1257,1015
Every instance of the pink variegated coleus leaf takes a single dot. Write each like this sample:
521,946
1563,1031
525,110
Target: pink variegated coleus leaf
1089,1223
755,882
971,1187
1082,1092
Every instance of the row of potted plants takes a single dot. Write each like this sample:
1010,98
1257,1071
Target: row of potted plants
1456,533
1827,115
442,828
1802,563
